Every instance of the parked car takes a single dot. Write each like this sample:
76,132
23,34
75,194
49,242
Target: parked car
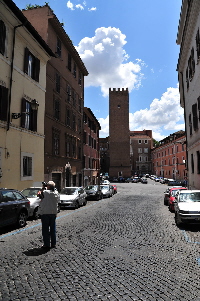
187,207
107,191
14,207
32,195
105,182
144,180
172,194
72,197
114,188
129,180
93,192
136,180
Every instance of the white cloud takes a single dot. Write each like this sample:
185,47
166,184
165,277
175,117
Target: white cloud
163,115
80,6
92,9
108,65
70,5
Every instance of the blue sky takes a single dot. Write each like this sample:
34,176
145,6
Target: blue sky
127,44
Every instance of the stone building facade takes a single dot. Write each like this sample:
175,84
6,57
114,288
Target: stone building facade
64,102
91,157
119,136
188,68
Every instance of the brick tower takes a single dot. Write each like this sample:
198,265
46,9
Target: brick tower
119,135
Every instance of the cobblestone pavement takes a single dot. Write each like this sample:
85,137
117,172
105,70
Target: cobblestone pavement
122,248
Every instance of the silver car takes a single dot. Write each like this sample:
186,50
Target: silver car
72,197
32,195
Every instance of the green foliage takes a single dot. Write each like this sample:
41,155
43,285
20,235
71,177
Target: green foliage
156,143
30,6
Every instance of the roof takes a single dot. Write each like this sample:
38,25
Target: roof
18,13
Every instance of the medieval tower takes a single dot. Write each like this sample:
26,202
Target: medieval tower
119,134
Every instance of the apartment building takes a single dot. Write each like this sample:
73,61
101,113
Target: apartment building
64,101
23,60
188,68
91,157
141,143
169,157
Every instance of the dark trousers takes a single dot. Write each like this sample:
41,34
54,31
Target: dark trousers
49,229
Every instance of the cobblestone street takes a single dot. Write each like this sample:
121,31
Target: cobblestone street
122,248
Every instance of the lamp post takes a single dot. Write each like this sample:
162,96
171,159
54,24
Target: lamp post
34,106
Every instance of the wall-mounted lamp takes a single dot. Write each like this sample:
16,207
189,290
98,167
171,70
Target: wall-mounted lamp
34,107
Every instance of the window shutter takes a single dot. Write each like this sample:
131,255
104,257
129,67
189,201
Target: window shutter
3,103
34,120
37,69
2,37
23,109
26,54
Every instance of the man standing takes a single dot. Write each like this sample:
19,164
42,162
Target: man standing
48,212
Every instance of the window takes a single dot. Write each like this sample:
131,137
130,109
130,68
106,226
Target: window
198,44
74,71
57,109
58,48
68,146
2,37
145,141
139,150
69,62
29,116
68,93
3,103
198,162
56,142
195,117
31,65
146,150
74,148
85,138
139,141
190,123
192,163
57,82
191,64
198,101
26,166
79,105
74,121
80,78
68,122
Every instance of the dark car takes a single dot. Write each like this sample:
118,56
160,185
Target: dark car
14,207
93,192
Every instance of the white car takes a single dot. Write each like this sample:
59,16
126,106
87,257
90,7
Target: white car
72,197
187,207
107,190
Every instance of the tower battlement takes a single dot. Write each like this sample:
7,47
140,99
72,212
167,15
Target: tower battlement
118,90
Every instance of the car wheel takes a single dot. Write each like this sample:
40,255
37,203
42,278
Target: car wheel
85,202
58,208
22,218
76,205
35,213
177,221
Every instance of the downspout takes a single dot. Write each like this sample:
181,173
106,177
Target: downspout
185,121
11,77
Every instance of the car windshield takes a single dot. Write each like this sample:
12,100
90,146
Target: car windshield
190,197
30,192
69,191
91,187
174,192
104,187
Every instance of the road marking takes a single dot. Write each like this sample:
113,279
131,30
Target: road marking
37,225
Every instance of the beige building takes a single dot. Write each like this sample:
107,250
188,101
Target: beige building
23,59
189,77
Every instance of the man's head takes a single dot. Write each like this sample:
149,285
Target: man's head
51,185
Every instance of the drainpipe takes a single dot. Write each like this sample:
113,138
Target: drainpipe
11,76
